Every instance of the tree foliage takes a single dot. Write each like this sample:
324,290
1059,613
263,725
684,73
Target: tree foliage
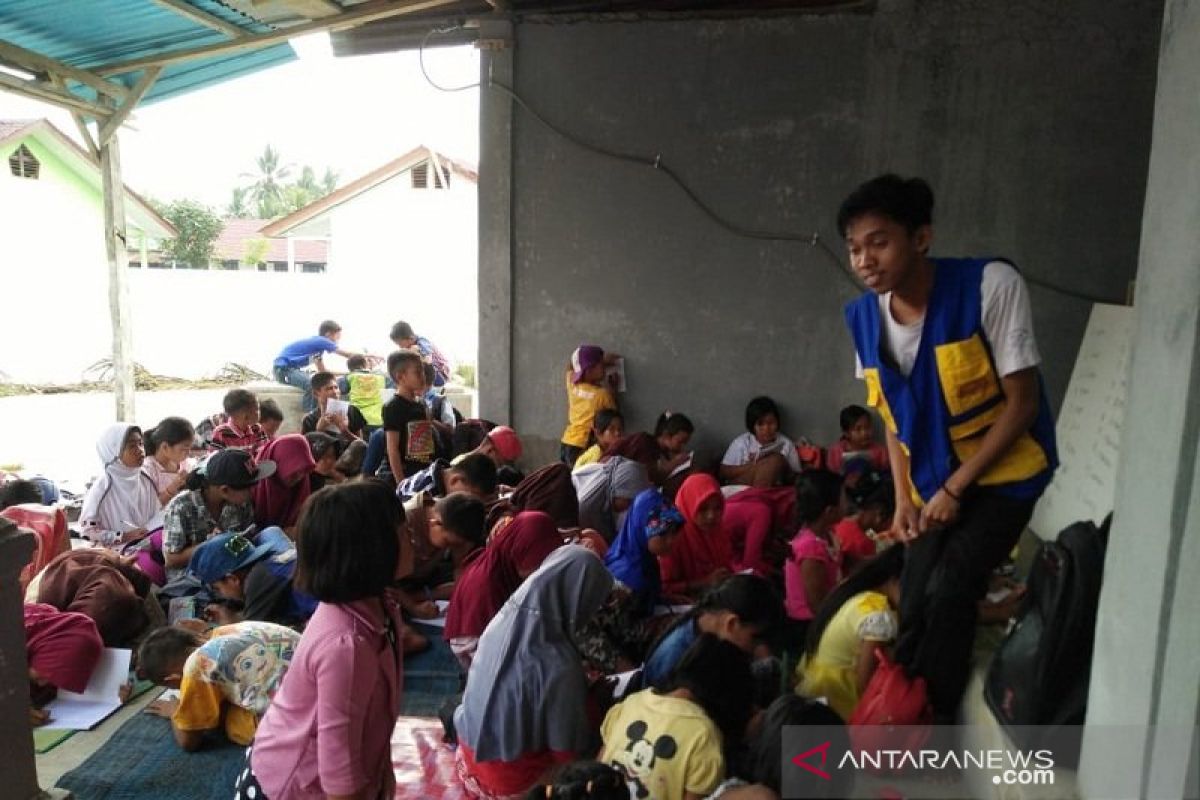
198,226
270,195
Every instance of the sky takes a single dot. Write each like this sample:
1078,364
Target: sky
351,114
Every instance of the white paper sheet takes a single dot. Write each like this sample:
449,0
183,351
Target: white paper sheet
684,467
680,609
339,407
71,711
440,620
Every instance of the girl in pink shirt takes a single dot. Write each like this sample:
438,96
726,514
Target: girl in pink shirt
327,732
814,565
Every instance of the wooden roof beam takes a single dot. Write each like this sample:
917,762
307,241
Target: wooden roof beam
203,18
120,114
362,14
36,62
48,94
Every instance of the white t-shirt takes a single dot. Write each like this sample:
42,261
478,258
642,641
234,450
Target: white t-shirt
745,449
1007,323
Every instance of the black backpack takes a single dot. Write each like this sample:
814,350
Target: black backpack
1039,675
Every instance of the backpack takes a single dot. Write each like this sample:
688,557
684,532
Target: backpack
893,712
1039,675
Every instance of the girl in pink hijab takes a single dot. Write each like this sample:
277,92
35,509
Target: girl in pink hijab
278,499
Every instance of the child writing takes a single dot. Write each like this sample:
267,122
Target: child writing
814,564
668,742
409,433
858,617
241,428
872,500
365,393
118,506
857,442
762,456
608,427
587,395
328,729
225,682
663,451
270,417
168,445
742,609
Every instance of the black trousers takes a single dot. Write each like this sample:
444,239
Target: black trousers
945,576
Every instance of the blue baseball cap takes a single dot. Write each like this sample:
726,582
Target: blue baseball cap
225,554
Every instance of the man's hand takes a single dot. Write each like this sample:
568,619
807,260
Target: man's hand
426,609
940,511
906,524
38,716
125,691
133,535
163,708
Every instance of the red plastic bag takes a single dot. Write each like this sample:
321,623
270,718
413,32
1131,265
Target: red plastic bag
894,712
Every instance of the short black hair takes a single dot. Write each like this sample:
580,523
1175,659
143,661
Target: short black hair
402,330
269,409
161,649
760,407
17,492
170,431
605,417
351,460
356,362
751,598
816,490
348,541
401,360
717,673
850,415
463,515
321,443
908,202
322,379
327,327
479,471
236,400
670,423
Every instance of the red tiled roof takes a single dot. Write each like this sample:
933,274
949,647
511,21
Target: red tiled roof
231,244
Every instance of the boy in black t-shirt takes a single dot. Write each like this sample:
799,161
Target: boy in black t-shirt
347,426
411,440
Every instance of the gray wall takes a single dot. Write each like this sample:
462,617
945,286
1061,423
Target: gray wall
1031,120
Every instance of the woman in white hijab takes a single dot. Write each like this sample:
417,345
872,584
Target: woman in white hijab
525,705
124,499
606,490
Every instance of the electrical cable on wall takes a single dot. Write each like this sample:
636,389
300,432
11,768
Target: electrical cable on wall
812,239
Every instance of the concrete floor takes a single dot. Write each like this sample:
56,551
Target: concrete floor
74,751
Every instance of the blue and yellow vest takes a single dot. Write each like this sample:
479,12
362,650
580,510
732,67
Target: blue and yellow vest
942,410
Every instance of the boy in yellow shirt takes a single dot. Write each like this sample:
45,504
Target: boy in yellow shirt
586,396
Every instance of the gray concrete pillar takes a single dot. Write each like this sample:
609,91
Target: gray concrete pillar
17,764
495,222
1146,669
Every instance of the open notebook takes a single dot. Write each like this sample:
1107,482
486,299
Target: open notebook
101,697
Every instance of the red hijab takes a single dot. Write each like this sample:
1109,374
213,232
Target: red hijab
63,646
494,573
275,502
696,554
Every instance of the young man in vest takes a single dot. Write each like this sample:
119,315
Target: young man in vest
947,351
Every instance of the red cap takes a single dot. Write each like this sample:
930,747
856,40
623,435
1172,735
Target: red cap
506,442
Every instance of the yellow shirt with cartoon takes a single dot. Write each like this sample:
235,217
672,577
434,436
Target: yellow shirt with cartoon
830,673
235,674
665,746
584,401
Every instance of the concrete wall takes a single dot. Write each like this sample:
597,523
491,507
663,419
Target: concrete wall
1031,120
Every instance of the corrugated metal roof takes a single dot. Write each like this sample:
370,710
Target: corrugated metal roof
90,33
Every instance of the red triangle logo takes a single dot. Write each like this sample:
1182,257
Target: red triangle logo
802,762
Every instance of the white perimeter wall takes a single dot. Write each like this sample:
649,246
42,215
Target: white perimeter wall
398,253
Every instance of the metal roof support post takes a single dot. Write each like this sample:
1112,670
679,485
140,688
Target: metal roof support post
118,278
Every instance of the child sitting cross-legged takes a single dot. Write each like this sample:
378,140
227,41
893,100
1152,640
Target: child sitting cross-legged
225,682
348,426
241,428
762,456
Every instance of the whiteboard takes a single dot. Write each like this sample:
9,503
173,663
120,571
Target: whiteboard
1089,426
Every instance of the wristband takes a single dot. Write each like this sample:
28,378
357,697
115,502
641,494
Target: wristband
956,498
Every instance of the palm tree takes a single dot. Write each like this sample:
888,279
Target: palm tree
329,181
238,208
267,189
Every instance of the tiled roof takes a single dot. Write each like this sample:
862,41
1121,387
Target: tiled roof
231,244
10,126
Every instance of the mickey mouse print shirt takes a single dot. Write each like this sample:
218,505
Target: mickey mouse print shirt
665,746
